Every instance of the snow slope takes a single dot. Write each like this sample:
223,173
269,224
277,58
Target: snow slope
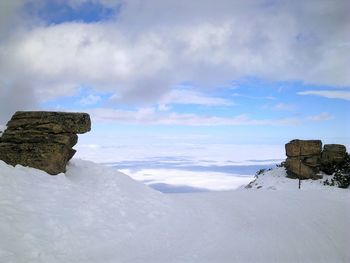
276,179
96,214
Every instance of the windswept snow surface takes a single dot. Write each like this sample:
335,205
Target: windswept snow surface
96,214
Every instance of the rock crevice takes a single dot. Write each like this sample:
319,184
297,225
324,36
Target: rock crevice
42,139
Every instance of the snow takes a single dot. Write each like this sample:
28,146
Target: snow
94,213
276,179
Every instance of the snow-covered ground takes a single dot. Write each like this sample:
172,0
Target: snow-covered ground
275,179
95,214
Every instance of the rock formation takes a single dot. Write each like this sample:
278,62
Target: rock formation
42,140
305,158
333,153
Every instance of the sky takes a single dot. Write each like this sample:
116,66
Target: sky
211,80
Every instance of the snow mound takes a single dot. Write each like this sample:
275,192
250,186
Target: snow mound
276,179
95,214
84,214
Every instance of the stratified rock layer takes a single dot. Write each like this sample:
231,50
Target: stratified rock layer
50,121
42,140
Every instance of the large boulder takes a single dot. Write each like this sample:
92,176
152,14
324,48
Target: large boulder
42,140
303,158
333,153
333,157
297,148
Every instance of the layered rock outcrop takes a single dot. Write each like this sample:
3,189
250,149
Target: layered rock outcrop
42,139
305,158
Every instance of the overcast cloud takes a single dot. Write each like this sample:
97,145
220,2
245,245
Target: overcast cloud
149,47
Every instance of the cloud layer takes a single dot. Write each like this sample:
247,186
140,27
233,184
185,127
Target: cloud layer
331,94
150,47
150,116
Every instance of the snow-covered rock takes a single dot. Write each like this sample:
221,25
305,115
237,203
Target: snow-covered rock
276,179
96,214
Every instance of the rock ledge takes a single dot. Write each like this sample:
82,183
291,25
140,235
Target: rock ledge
42,139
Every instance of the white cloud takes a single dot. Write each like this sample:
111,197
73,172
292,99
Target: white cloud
324,116
186,149
214,181
152,117
8,15
183,96
15,97
141,58
254,97
331,94
163,107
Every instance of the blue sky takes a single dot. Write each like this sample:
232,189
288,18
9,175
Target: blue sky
56,12
161,73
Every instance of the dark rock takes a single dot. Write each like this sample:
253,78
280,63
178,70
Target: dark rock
50,157
333,153
312,161
340,172
33,136
42,140
333,157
